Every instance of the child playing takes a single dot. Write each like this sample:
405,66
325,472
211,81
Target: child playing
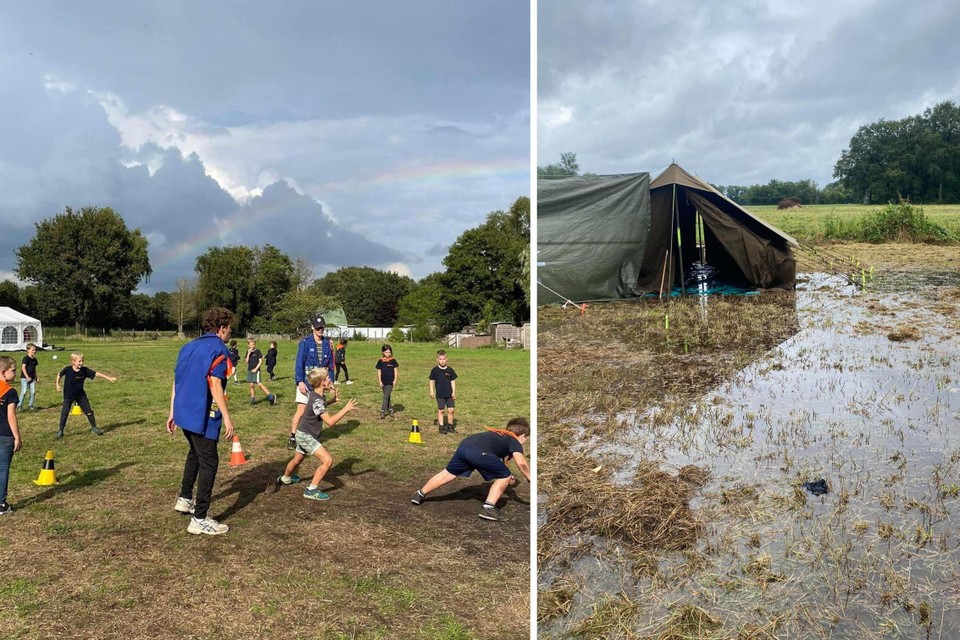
272,360
254,360
487,453
28,376
9,429
386,378
340,360
443,387
73,378
308,434
234,359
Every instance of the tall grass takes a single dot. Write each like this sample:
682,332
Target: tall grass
939,224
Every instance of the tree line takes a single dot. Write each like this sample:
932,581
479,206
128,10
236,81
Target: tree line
81,269
916,158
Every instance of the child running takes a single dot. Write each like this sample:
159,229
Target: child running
308,433
254,359
10,441
486,452
73,378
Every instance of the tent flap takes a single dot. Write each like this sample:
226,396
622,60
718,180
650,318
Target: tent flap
591,236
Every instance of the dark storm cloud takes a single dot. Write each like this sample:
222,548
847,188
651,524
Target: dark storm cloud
739,92
397,125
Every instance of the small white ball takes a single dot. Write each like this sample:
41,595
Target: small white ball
54,356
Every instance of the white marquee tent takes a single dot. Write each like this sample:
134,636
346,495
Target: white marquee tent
17,329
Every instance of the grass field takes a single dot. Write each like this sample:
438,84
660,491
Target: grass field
102,554
842,221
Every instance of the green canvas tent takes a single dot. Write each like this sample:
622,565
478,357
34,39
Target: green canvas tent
693,222
591,235
620,236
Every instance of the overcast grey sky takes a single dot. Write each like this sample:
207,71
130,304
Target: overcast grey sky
368,133
740,91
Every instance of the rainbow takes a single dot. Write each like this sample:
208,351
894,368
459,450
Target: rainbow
245,216
437,172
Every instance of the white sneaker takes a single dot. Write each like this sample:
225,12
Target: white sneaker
349,381
209,526
336,382
183,505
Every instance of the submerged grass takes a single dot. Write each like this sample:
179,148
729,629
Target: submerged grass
743,550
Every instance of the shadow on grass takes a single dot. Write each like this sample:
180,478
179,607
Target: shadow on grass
477,492
342,468
248,485
342,428
107,428
72,481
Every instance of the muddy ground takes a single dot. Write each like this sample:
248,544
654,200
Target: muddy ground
366,564
722,413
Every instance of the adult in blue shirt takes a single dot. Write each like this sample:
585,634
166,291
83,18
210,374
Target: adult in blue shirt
198,406
313,351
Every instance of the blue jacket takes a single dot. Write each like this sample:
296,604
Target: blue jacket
200,363
308,358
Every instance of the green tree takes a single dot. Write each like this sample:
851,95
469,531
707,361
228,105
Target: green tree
9,294
225,278
568,166
484,270
370,297
273,278
424,304
88,262
293,312
182,307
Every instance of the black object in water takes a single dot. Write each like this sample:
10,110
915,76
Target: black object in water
817,487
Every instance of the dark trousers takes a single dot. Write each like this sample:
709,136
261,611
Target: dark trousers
346,374
84,406
270,370
385,405
200,468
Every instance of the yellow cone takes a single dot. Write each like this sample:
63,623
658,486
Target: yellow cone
75,411
415,433
47,475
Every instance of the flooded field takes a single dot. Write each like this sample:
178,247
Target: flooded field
682,448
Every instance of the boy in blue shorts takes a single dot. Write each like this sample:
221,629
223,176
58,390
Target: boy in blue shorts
315,416
487,453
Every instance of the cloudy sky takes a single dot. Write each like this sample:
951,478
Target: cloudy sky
740,91
367,133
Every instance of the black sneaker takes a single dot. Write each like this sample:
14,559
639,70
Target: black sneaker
292,443
95,431
391,412
59,435
491,513
6,508
417,498
382,415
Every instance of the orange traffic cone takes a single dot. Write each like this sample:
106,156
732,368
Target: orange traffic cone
236,454
415,433
47,475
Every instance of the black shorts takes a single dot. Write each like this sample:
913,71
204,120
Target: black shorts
445,403
466,461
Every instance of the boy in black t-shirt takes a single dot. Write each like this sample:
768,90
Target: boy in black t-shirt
254,359
73,378
386,378
272,360
443,387
234,359
487,453
28,377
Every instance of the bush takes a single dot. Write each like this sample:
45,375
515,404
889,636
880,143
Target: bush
396,335
903,222
424,333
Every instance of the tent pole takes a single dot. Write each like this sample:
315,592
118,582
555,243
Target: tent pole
676,215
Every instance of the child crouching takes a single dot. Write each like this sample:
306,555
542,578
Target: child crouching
308,434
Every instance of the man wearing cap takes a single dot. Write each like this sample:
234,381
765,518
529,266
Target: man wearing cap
313,351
